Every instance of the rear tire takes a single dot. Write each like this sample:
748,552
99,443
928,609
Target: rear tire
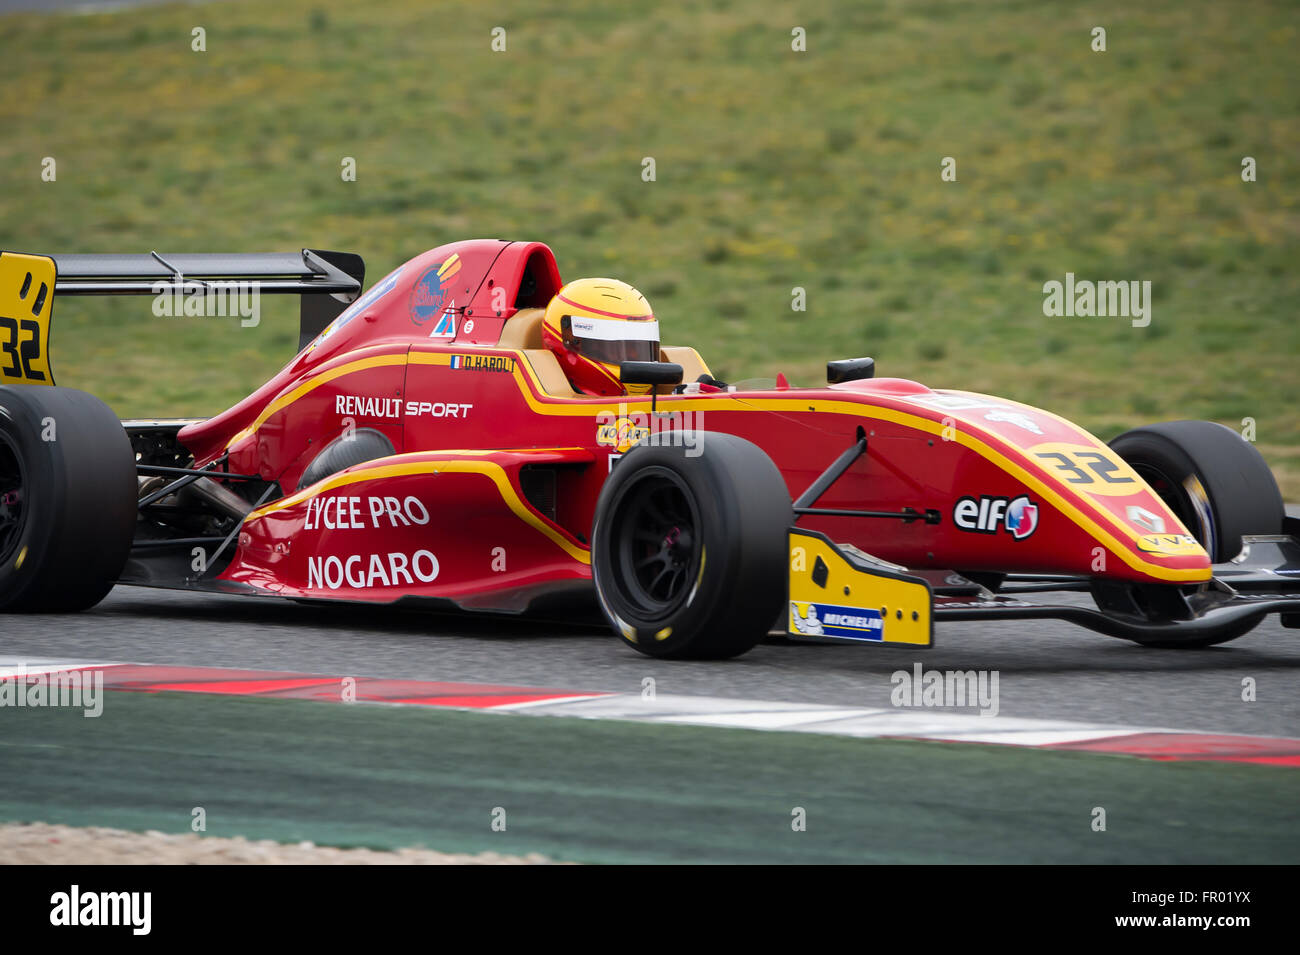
689,551
1215,482
345,451
67,499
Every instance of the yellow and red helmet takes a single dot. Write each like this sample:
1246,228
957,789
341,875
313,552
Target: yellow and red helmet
594,324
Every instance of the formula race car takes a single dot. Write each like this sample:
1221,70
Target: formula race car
425,445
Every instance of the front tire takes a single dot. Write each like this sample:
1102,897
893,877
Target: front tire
689,550
67,499
1215,482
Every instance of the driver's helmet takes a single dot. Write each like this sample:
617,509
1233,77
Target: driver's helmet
594,324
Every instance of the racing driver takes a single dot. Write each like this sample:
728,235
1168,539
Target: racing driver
592,325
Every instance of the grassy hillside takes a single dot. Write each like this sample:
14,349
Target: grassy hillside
775,169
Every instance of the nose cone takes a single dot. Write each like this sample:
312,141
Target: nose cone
1072,483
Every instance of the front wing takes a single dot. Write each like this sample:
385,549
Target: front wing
839,594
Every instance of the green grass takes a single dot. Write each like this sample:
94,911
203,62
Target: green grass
775,169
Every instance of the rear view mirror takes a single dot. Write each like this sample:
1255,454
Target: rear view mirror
650,373
850,369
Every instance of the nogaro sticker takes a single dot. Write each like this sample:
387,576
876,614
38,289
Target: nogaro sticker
621,434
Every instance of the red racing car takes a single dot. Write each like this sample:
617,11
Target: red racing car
472,432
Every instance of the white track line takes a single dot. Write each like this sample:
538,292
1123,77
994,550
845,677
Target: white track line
862,722
722,712
18,666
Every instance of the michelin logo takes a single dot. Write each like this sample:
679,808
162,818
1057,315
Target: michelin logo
828,620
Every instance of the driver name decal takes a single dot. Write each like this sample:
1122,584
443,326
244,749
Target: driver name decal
500,363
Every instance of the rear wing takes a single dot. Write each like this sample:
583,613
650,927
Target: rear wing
327,283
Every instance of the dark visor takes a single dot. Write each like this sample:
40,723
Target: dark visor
610,352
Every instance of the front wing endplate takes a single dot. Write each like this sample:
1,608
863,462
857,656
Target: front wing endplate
838,596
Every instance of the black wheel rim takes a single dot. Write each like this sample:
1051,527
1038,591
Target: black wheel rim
656,546
12,499
1177,499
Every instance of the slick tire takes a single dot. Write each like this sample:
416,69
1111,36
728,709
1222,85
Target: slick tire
364,444
1217,484
689,549
67,499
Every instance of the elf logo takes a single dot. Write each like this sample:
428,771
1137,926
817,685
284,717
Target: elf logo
984,515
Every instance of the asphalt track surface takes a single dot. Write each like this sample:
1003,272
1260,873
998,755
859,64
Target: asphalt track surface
1046,669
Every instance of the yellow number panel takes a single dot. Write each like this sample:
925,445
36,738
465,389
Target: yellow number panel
26,304
1093,470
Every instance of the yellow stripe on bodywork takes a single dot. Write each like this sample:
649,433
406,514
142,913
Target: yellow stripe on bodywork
524,377
314,382
876,412
489,469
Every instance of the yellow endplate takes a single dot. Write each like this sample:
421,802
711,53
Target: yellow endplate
830,598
